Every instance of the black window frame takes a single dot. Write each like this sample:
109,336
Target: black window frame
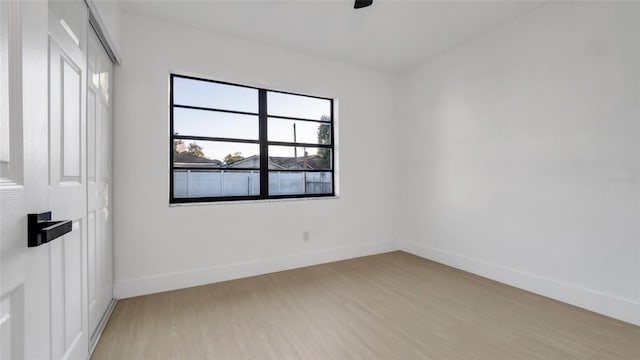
262,141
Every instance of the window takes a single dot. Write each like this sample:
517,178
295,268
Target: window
236,142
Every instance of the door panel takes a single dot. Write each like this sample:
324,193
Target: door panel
5,126
71,121
65,121
68,329
11,324
91,258
72,284
91,133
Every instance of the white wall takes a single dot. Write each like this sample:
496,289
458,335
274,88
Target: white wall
158,247
521,152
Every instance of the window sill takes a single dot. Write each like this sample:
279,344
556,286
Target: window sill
235,202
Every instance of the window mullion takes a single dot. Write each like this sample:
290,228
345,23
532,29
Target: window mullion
171,139
333,152
264,145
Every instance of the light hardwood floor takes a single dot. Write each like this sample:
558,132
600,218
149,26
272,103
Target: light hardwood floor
389,306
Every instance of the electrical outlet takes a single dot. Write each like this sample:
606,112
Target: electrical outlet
305,236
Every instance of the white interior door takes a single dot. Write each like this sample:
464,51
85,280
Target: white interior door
43,167
24,284
100,250
68,22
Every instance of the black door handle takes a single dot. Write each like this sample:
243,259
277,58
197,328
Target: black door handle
41,229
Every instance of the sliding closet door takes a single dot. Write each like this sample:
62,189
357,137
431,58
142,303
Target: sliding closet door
100,248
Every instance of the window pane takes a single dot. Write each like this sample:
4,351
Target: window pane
299,131
299,182
299,158
215,183
215,154
214,95
214,124
297,106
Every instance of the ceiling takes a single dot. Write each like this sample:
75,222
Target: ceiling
389,35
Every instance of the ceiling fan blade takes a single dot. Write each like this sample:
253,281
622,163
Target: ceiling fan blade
362,3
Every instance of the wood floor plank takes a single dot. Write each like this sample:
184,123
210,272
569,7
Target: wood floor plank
387,306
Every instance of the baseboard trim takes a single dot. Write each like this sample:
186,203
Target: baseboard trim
95,338
167,282
606,304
